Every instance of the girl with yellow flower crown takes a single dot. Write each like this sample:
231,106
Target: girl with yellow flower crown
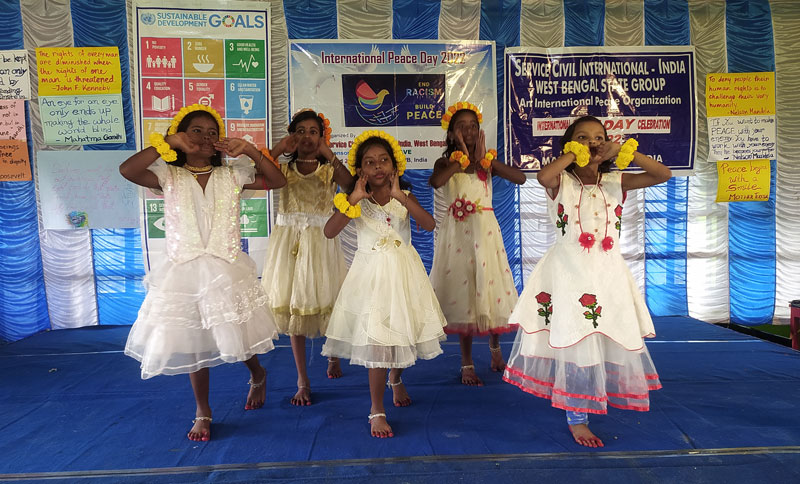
386,315
470,272
204,305
303,269
581,317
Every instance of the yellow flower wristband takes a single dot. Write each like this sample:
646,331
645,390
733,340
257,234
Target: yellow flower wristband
486,162
164,149
625,155
461,158
580,151
341,204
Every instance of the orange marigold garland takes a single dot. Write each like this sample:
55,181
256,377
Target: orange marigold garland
448,115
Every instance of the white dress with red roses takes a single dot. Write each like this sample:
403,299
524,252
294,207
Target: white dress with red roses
386,314
470,273
581,316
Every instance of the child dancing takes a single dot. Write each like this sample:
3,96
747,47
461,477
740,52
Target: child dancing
386,315
303,269
581,317
204,305
470,272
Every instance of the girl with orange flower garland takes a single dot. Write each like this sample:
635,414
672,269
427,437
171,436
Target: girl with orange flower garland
581,317
204,305
386,315
471,274
303,269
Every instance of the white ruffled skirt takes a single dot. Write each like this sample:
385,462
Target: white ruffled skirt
386,315
199,314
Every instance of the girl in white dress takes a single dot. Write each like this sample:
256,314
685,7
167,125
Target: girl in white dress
581,317
204,305
470,272
302,268
386,315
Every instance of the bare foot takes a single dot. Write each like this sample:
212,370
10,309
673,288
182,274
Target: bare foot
468,376
399,394
498,363
334,369
258,390
201,430
303,396
584,436
379,427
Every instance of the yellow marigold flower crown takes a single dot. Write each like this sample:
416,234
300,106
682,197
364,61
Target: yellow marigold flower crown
186,110
326,124
399,156
448,115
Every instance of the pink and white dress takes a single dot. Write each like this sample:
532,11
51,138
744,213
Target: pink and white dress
581,316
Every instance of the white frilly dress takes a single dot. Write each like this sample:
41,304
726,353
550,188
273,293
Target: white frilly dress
303,269
470,273
204,305
581,316
386,315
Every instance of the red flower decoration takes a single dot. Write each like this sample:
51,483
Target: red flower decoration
618,211
587,314
599,309
608,243
482,175
560,209
565,218
587,299
586,240
543,297
469,207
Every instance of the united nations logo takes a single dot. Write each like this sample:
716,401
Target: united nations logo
148,18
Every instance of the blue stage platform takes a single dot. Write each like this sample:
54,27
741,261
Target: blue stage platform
73,409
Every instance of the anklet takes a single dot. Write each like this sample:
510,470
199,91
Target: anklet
201,419
467,367
392,385
256,385
375,415
495,349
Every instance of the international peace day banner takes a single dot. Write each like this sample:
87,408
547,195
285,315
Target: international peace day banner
647,93
215,54
401,87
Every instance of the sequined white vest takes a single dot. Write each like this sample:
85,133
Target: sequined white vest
182,232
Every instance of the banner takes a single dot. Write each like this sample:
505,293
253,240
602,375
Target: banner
210,53
741,116
643,92
15,80
83,189
401,87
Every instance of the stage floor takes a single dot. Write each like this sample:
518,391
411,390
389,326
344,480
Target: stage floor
73,409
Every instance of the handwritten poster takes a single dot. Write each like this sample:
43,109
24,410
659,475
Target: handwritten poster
12,120
743,181
15,80
14,162
78,70
82,120
741,116
80,98
83,189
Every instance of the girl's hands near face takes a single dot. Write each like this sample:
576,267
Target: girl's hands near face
233,147
324,150
459,139
288,144
360,191
606,151
394,190
480,149
182,142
